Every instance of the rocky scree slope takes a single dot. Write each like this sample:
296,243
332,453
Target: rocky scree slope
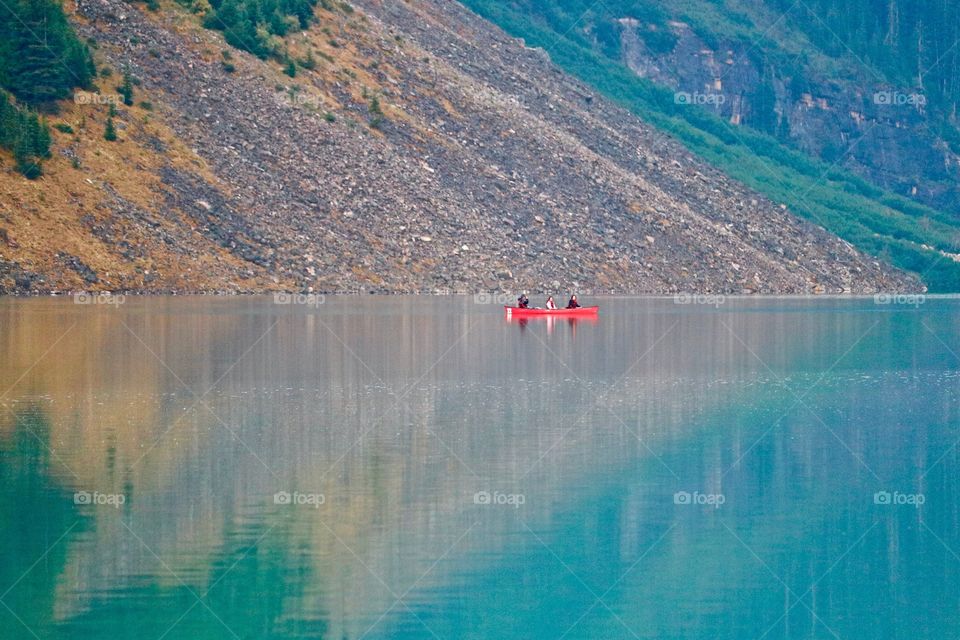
488,170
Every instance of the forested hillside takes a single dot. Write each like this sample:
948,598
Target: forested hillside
41,61
913,44
753,87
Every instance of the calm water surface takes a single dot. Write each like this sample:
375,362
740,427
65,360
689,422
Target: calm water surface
420,468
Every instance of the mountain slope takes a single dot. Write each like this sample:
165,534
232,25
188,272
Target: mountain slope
425,150
703,69
871,119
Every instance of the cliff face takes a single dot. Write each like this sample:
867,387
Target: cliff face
881,132
427,150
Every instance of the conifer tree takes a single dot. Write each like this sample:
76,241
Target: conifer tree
126,89
109,133
25,134
41,58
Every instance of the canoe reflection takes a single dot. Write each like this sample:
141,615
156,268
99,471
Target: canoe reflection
552,322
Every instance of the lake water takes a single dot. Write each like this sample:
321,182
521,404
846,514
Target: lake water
420,468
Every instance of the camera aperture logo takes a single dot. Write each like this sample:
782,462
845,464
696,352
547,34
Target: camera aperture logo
895,498
497,498
306,299
299,499
714,500
97,499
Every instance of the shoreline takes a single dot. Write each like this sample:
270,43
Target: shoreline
499,299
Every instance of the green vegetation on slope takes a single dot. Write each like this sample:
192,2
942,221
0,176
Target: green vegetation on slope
910,236
911,43
41,61
257,25
41,58
23,133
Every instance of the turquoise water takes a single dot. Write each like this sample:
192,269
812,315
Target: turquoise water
421,468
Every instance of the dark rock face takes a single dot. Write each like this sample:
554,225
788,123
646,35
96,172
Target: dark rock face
492,171
74,263
20,280
879,132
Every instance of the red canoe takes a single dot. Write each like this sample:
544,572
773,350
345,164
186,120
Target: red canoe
516,312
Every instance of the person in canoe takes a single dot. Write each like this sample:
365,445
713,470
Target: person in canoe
550,303
572,303
523,302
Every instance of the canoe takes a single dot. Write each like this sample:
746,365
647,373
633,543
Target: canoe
516,312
